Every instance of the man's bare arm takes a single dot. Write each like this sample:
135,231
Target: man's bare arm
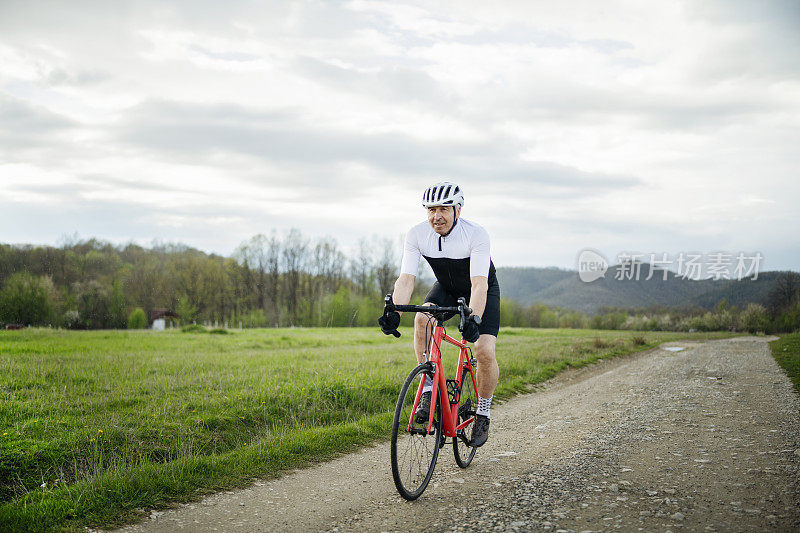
403,288
477,298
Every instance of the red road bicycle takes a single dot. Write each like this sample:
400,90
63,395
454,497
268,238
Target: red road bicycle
415,445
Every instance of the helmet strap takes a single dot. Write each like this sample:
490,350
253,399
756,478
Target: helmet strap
455,221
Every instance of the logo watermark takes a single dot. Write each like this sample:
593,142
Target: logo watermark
685,265
591,265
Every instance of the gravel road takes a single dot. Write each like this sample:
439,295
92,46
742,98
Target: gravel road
702,439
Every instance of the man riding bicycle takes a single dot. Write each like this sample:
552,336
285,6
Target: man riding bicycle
458,252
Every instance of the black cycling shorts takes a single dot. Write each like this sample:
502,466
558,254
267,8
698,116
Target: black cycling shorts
490,320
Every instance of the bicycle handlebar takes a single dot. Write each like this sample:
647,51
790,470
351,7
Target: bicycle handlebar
462,309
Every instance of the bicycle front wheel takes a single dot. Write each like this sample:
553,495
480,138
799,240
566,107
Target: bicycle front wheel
414,450
466,410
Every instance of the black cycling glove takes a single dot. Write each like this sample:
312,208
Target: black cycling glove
389,322
471,331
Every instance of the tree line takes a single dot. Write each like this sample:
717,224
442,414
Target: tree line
269,281
290,280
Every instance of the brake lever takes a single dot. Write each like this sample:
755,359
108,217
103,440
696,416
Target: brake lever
465,312
388,304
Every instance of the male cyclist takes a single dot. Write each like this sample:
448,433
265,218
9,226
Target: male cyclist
458,252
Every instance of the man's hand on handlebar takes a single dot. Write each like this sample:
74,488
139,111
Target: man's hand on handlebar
470,330
390,319
389,322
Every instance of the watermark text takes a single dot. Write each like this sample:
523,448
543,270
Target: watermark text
592,265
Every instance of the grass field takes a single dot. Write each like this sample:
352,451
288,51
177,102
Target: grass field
96,426
786,351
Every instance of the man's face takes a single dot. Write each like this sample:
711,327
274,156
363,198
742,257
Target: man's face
441,218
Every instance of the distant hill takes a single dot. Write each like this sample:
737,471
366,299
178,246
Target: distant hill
563,288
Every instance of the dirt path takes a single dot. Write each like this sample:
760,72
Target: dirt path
702,439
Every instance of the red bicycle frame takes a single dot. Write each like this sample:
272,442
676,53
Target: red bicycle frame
450,419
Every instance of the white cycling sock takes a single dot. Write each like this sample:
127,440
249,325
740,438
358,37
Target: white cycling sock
484,406
428,384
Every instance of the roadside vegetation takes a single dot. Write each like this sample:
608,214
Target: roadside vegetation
786,351
97,426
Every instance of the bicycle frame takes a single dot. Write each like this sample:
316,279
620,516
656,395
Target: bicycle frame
439,392
413,457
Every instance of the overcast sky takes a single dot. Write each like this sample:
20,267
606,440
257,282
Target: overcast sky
617,125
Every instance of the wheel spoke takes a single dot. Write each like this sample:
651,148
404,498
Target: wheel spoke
413,454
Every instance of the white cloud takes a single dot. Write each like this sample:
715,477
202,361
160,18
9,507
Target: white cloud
624,123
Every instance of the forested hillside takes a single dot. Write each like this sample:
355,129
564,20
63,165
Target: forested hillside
770,303
563,288
269,281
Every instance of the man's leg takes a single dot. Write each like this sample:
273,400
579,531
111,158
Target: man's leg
488,371
423,329
487,375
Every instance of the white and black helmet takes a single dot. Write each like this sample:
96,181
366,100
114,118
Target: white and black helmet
444,193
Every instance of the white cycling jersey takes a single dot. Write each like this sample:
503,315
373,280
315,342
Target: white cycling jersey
454,258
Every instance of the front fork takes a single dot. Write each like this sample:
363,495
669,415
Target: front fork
432,369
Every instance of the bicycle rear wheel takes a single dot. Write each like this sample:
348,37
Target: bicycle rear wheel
467,405
414,452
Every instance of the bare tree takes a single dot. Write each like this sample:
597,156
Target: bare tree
294,260
256,254
386,266
247,276
785,292
260,256
361,267
328,264
273,272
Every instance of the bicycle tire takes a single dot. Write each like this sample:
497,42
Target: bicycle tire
468,403
413,455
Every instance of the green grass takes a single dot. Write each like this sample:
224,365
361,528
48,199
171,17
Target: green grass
97,425
786,351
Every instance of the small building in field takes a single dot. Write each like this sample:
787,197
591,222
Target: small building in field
163,317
